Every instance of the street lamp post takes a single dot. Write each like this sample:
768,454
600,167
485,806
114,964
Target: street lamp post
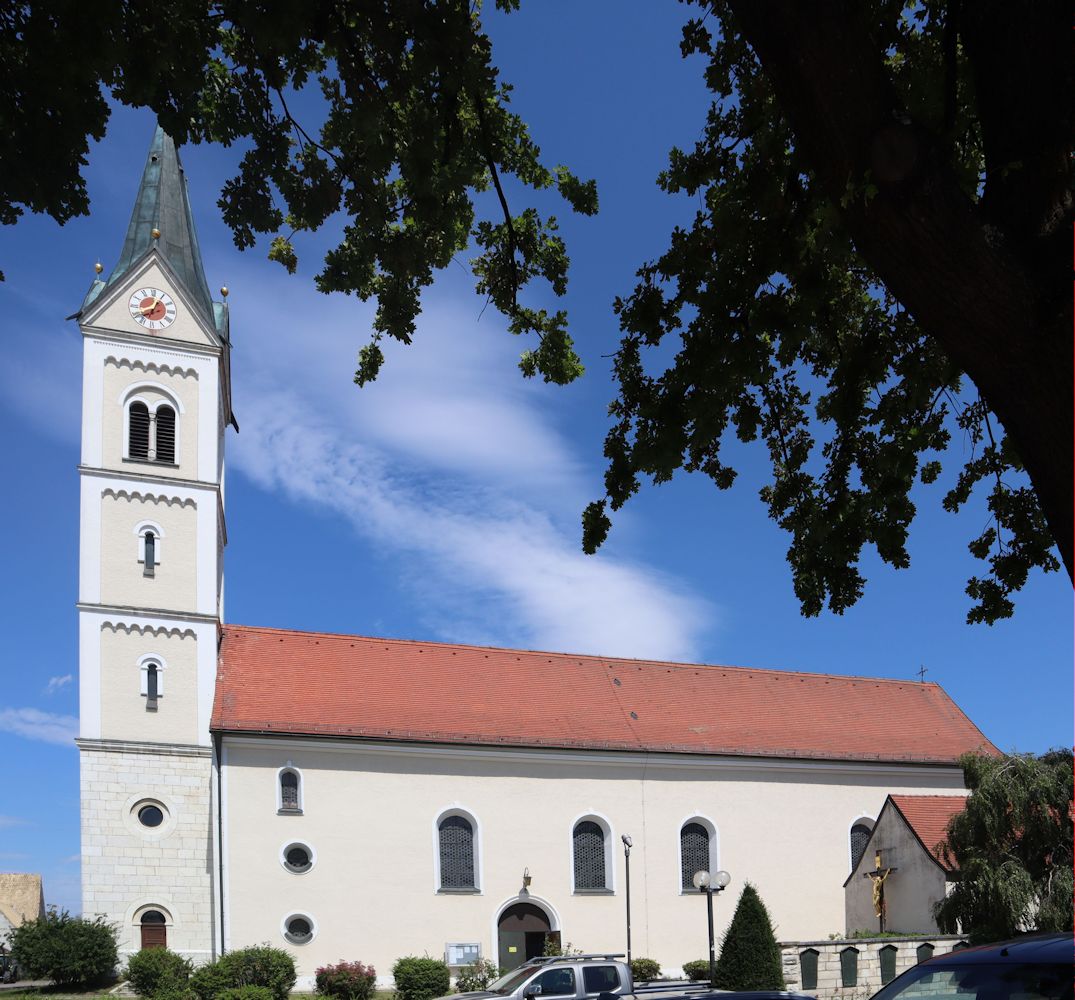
627,845
709,884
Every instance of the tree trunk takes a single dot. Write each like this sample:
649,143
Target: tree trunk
974,286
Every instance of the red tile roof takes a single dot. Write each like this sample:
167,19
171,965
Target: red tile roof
928,816
279,681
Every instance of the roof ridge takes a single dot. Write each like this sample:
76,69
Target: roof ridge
678,664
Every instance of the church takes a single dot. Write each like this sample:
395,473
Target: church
348,797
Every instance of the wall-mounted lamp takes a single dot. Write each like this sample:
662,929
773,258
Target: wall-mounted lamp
525,890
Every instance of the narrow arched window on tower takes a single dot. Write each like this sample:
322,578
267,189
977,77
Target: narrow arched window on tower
138,431
150,559
165,434
152,687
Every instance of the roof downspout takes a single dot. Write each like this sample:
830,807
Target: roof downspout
218,741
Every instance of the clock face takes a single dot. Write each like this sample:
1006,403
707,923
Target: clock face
152,308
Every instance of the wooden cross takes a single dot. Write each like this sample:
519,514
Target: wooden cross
878,876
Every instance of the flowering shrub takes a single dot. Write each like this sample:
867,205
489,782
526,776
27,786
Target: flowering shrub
346,980
476,976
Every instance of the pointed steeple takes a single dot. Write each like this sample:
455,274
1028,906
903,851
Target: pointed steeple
163,206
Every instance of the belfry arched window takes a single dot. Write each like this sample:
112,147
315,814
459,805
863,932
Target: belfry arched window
152,426
138,431
457,852
165,434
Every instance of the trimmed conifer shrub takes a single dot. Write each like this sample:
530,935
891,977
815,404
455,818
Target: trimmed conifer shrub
264,966
420,978
697,970
152,971
643,970
749,955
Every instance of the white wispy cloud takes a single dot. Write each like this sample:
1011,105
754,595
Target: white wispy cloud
37,725
56,683
450,461
11,821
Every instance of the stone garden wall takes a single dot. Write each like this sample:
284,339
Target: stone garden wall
858,973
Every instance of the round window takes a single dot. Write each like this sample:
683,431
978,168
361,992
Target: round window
298,929
150,816
297,858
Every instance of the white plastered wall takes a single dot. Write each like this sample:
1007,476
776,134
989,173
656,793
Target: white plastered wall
123,704
368,815
174,583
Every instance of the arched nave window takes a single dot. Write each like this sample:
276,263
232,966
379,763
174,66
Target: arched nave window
697,849
457,852
289,791
589,847
859,838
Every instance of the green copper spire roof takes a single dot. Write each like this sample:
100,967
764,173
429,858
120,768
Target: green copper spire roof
163,204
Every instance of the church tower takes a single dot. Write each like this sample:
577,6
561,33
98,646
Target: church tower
155,404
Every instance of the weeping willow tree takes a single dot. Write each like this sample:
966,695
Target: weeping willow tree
1012,846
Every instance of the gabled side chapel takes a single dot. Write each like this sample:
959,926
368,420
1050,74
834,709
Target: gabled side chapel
361,798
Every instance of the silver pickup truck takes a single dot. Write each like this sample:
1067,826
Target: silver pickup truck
565,976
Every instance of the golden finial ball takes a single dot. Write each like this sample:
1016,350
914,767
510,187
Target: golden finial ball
224,290
98,267
155,233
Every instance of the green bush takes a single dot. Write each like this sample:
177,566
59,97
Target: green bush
697,971
153,970
270,968
476,976
246,993
69,951
420,978
346,980
644,969
749,955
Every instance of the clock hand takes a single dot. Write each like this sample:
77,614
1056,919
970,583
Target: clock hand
146,310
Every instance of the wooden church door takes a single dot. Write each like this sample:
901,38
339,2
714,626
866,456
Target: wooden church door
154,931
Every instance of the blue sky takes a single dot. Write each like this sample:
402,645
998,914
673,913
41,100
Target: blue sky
443,502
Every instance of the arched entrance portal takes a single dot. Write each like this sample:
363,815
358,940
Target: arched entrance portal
522,931
154,930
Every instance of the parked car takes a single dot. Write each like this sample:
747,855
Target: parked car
564,976
1032,967
9,971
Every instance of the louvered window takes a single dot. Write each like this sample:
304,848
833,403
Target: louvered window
589,843
166,435
693,853
152,687
456,853
289,792
860,837
138,444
